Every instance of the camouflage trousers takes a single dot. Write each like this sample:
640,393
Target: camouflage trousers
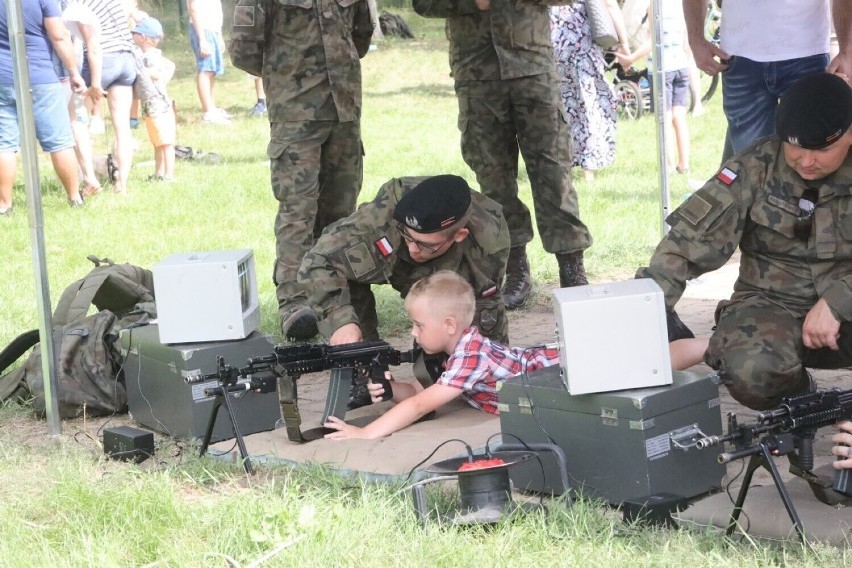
317,168
757,349
499,119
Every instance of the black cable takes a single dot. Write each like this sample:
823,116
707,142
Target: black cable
439,446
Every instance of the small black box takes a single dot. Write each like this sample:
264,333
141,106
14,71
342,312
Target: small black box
126,443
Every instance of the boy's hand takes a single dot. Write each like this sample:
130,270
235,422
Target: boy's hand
344,431
376,391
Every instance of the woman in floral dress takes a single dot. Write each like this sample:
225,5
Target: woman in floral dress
586,94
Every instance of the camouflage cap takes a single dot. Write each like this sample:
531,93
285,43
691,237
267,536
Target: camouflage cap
434,204
815,111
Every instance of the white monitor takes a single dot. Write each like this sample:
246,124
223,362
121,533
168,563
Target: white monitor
206,296
612,336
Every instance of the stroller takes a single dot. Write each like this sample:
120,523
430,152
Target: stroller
632,88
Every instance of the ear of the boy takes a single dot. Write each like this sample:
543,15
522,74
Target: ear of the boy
450,325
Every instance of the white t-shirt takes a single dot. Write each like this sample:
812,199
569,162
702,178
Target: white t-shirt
775,30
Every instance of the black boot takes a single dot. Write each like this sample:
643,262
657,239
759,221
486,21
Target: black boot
571,269
517,287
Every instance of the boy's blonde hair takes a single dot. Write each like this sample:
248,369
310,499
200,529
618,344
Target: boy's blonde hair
449,295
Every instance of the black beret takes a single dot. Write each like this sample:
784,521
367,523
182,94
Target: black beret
434,204
815,111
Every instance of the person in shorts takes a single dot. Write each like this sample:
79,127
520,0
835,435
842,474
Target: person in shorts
154,73
205,37
44,32
677,61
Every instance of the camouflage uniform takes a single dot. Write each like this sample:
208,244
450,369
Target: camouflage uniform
348,258
312,79
757,344
507,88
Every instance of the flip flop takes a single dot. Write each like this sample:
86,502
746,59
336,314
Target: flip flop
91,190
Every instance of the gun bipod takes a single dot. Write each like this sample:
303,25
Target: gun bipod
764,458
221,394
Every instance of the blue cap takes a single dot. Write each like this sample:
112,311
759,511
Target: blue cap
149,27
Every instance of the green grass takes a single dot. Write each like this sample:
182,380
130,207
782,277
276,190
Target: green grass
65,506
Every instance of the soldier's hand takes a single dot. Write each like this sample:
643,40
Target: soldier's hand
843,448
483,5
821,328
347,333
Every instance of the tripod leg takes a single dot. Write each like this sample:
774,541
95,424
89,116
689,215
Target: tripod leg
210,423
238,435
753,464
769,464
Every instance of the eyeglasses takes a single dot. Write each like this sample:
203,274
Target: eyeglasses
804,222
428,248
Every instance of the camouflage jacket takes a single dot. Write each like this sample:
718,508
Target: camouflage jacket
507,41
311,69
753,203
352,249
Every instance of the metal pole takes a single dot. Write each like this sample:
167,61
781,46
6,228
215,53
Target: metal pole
660,111
26,126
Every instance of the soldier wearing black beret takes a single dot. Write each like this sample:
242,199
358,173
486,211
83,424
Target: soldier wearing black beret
414,227
786,204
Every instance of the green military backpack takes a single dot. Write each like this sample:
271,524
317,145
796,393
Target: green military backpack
88,365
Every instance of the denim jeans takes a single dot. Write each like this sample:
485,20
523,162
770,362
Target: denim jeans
751,90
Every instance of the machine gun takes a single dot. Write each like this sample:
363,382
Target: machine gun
287,363
773,435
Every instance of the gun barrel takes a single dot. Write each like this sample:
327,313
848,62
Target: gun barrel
727,457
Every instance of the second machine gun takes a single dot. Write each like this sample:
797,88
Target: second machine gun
286,364
774,434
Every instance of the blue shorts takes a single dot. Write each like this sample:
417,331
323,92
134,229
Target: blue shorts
214,63
50,111
119,68
677,88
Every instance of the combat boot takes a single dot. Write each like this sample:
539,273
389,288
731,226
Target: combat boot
517,287
299,324
571,269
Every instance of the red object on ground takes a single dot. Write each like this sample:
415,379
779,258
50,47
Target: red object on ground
481,464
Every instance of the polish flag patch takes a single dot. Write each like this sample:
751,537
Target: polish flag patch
489,292
384,246
726,176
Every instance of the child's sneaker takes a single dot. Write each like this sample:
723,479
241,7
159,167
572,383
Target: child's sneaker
259,109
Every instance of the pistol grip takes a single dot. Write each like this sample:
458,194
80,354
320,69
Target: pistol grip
377,375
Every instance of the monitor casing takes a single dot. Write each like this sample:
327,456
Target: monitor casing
206,296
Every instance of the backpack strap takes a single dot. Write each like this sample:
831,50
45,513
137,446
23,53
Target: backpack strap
128,285
10,382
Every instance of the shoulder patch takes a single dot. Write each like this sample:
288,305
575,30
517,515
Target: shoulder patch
726,176
695,209
360,260
488,292
384,246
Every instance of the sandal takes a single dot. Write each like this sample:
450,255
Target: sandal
91,190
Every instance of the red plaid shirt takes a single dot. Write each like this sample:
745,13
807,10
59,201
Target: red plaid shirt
478,364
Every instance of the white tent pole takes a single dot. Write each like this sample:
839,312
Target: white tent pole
660,111
26,125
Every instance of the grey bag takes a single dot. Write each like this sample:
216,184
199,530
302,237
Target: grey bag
603,28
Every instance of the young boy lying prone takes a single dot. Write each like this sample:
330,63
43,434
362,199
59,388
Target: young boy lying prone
441,309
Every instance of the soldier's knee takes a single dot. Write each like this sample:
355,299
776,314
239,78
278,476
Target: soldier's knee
761,385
